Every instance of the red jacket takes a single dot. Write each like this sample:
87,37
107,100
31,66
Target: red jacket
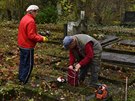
27,32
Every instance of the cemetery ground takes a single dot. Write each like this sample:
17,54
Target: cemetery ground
51,61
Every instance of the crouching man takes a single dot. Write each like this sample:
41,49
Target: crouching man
85,52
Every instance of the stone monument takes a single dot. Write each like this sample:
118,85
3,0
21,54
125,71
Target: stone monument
78,27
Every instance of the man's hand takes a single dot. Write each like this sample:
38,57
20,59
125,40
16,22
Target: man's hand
77,67
70,67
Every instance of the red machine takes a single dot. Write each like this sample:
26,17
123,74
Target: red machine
101,92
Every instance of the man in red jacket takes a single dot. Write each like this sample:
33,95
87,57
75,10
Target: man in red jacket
84,54
27,39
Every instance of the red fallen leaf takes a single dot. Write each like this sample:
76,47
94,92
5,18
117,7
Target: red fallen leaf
10,78
1,57
0,71
33,85
11,68
54,85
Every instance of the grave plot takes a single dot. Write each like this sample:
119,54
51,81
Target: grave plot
128,42
111,74
117,74
118,62
122,52
119,55
123,46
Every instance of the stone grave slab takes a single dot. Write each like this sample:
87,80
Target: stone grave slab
118,58
107,39
123,46
127,42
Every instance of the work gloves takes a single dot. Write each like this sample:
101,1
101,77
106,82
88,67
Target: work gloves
45,35
45,39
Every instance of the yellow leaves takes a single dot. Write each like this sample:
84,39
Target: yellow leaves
7,73
83,0
32,99
66,6
2,4
98,36
123,47
5,4
58,63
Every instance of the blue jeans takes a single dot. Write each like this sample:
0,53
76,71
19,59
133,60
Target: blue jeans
26,64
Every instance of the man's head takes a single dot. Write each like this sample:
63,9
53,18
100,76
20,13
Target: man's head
69,42
32,9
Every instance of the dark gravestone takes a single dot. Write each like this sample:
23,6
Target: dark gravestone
129,18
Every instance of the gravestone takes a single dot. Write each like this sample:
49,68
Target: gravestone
128,42
122,46
118,58
129,18
80,26
108,39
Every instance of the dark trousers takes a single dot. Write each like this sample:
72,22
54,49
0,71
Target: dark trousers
94,67
26,64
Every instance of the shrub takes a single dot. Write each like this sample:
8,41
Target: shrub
47,15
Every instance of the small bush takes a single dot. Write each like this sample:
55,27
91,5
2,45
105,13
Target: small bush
47,15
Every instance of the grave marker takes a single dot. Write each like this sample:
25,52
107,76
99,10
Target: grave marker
129,18
78,27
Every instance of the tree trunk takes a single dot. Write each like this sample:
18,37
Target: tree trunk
21,4
9,15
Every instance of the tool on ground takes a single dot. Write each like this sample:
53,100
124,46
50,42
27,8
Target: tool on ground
46,33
